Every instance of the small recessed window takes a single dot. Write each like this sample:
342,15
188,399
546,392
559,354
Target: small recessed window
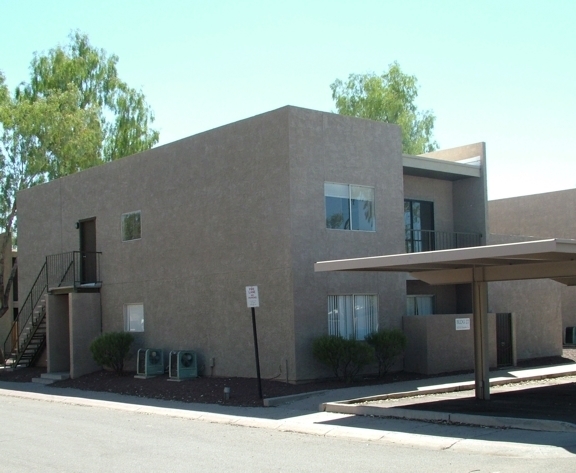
131,226
134,317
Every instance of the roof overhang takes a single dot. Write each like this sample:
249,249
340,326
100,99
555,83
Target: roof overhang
541,259
422,166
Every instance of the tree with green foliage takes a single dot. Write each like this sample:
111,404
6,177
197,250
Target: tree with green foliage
389,97
74,113
123,114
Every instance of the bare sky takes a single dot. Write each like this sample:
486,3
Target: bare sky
493,71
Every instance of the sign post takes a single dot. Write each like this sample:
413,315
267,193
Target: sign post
253,301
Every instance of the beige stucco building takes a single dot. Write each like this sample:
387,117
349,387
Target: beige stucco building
531,217
182,229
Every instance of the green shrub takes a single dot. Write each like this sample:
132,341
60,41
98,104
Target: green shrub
111,350
345,358
357,354
388,345
329,350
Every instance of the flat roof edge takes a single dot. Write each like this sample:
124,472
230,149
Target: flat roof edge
421,165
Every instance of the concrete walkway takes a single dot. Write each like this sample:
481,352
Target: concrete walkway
310,414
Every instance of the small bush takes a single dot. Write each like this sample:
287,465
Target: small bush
345,358
329,350
387,344
111,350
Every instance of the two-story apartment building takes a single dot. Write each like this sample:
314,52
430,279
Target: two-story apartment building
179,231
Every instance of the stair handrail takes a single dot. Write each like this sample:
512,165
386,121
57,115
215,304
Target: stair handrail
39,288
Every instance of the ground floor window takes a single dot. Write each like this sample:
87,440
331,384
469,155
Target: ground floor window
419,305
134,317
352,315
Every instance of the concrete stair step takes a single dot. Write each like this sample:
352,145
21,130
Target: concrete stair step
43,381
49,378
56,376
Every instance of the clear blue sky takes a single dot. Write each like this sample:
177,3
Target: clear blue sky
495,71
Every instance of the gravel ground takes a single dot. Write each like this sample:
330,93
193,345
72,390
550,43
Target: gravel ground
243,391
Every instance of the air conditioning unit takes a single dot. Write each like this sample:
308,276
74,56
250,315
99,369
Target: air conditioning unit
150,362
183,365
570,338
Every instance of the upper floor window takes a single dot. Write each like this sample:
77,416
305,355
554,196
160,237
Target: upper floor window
349,207
131,226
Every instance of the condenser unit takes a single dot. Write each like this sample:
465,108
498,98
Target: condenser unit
150,362
183,365
570,338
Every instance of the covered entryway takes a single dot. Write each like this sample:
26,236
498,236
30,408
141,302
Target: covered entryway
554,259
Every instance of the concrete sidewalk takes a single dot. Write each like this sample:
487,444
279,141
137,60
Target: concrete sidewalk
534,399
303,415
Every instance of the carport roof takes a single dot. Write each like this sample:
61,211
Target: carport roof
541,259
552,258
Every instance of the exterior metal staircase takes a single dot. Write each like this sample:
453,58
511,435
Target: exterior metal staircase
27,337
60,273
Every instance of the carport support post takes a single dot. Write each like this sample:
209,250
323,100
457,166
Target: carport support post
481,374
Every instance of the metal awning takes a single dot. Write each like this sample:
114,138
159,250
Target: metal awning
542,259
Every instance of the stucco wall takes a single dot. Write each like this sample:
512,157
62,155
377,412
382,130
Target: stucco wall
215,218
446,349
436,191
57,334
332,148
537,307
85,320
239,205
548,215
469,195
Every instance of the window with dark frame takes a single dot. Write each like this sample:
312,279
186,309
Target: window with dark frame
349,207
131,226
419,226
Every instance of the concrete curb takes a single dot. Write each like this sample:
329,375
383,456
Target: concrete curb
319,425
468,419
352,406
278,401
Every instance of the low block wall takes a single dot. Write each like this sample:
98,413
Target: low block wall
435,346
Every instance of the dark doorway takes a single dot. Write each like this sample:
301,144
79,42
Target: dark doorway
419,226
88,261
504,354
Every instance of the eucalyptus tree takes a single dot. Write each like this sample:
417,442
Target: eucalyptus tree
74,113
389,97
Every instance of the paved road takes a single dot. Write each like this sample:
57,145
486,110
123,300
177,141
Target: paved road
42,433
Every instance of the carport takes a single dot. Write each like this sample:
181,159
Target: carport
542,259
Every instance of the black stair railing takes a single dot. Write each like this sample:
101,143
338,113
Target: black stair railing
79,270
30,317
73,269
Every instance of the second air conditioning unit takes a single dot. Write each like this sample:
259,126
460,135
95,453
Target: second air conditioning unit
183,365
150,362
